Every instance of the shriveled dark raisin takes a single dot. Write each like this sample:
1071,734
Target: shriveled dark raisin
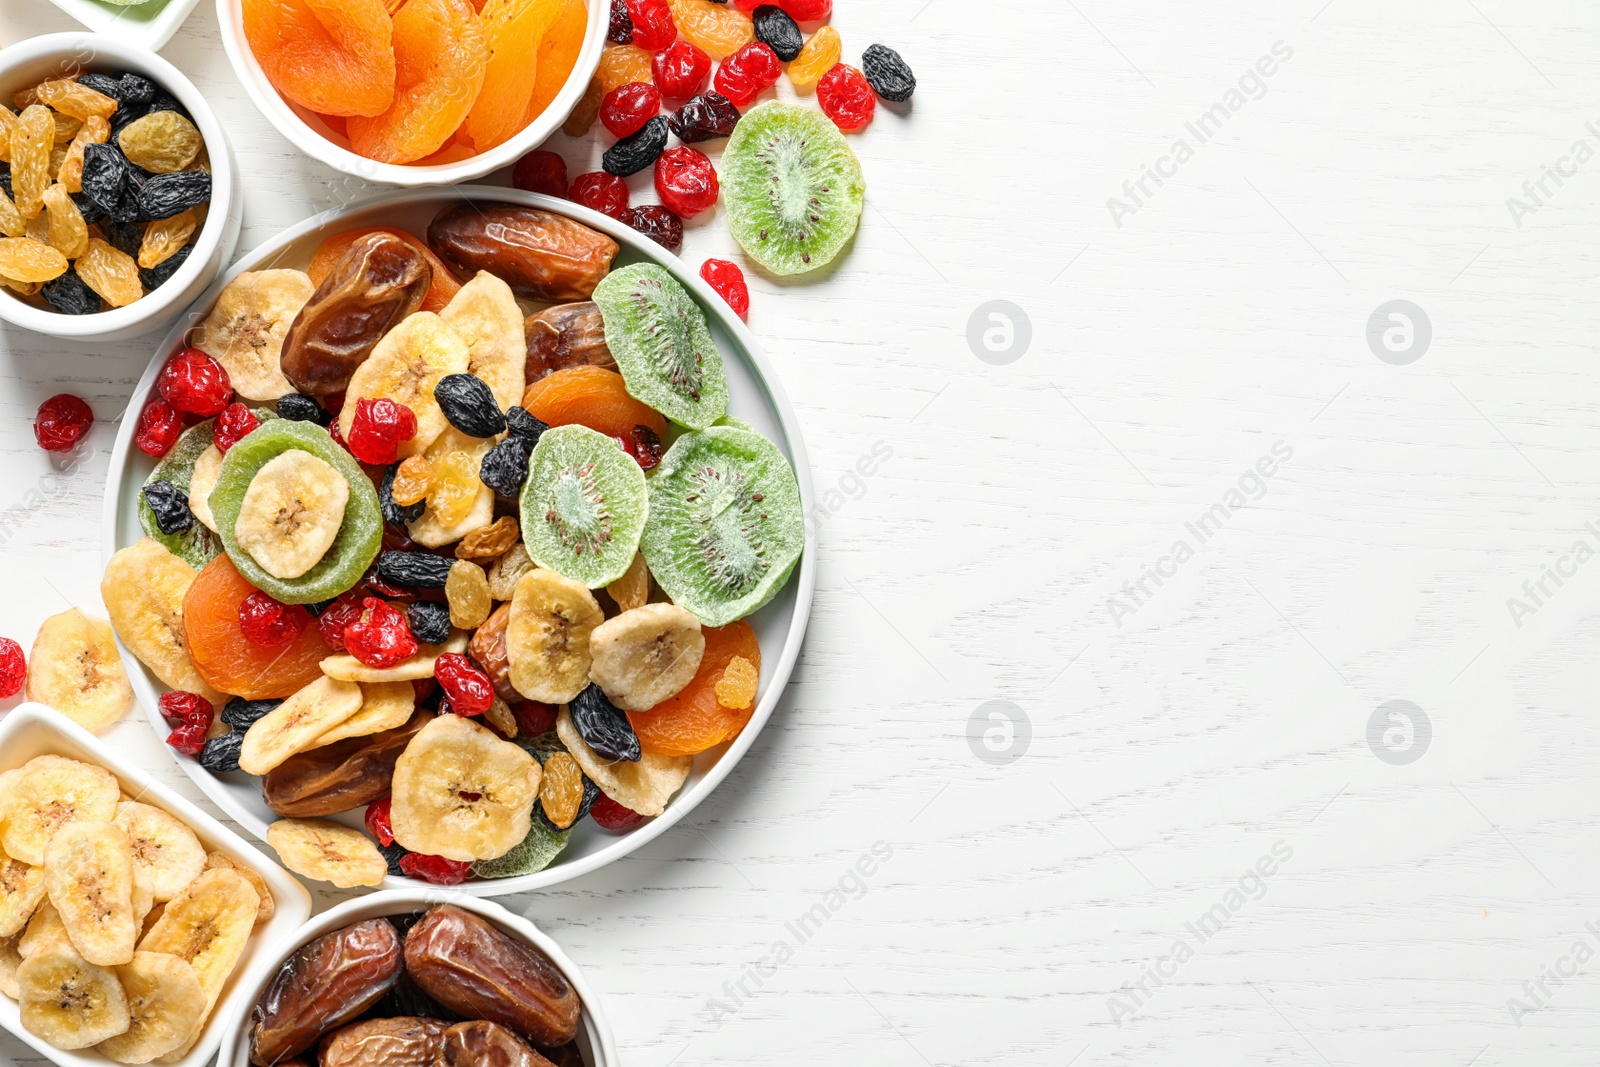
429,621
704,117
317,607
657,223
69,295
137,89
393,513
621,29
221,754
161,100
171,507
636,151
505,466
525,427
297,407
889,75
5,178
91,211
242,714
123,236
778,31
469,404
393,853
105,177
419,570
158,275
603,727
104,84
165,195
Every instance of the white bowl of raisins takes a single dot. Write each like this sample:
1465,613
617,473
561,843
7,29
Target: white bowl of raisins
135,207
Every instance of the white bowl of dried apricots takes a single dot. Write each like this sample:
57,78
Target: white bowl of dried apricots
135,207
489,549
434,92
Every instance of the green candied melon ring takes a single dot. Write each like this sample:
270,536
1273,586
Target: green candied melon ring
197,545
359,538
719,551
529,856
663,347
583,505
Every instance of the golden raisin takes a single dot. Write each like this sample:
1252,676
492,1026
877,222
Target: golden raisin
165,236
95,130
79,101
489,542
66,127
508,571
501,718
719,30
68,232
736,688
632,590
11,220
25,288
110,272
162,142
467,590
621,64
455,488
25,98
587,109
816,58
22,259
8,122
561,789
412,481
30,158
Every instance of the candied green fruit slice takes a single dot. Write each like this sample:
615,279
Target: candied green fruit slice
659,338
583,505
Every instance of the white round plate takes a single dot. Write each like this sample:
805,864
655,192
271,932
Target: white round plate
755,397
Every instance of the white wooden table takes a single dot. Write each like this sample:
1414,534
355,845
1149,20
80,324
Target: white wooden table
1188,851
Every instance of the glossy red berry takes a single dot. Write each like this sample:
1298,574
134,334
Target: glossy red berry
748,73
602,192
266,622
14,669
653,28
846,97
423,688
195,384
234,424
644,445
379,428
657,223
534,718
435,869
626,109
469,689
377,820
61,423
799,10
541,172
686,181
159,427
190,714
680,71
728,280
335,617
380,637
610,815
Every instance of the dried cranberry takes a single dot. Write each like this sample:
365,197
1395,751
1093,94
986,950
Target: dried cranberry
379,428
435,869
602,192
728,280
707,116
541,172
627,108
657,223
423,688
191,715
653,28
469,689
194,383
266,622
190,740
613,816
645,447
380,637
846,97
680,71
807,10
748,73
534,718
377,820
13,668
335,617
61,423
686,181
158,428
338,438
621,29
234,424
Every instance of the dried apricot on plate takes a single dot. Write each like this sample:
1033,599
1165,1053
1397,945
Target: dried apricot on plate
696,718
228,660
332,56
440,54
592,397
331,250
514,29
558,55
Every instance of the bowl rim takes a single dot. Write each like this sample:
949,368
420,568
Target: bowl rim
405,901
278,111
291,898
766,379
147,310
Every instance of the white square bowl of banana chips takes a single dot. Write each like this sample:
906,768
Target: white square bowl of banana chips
130,920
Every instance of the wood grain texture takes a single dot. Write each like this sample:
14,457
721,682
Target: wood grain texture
1172,748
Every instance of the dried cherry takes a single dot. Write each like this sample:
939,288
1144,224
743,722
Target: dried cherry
657,223
653,28
707,116
13,668
234,424
266,622
380,637
195,384
602,192
728,280
468,688
435,869
610,815
378,821
846,97
541,172
681,70
379,428
61,422
748,73
627,108
686,181
158,429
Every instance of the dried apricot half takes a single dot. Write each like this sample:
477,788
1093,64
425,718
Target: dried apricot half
695,719
440,54
228,660
593,397
558,54
333,56
514,29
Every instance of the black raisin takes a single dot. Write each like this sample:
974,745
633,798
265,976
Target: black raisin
105,177
164,195
162,100
124,116
704,117
297,407
242,714
603,727
221,754
657,223
123,236
637,150
137,89
393,853
469,404
158,275
505,467
393,513
890,76
778,31
525,427
91,211
621,29
419,570
104,84
69,295
5,178
429,621
171,507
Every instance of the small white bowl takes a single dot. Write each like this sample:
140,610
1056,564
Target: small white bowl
311,135
34,730
594,1033
148,25
29,62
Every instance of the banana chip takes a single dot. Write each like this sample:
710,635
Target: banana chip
646,655
406,367
245,330
143,589
484,313
10,960
384,706
68,1001
547,640
165,1004
461,792
207,925
347,668
291,513
328,852
166,854
45,930
268,907
88,872
21,891
50,793
295,725
644,787
76,669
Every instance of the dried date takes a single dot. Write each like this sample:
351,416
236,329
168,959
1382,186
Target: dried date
488,650
484,1044
339,777
322,986
404,1041
541,255
567,335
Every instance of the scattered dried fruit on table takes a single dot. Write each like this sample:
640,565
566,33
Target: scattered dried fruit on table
686,181
658,223
62,421
846,97
703,118
627,108
816,58
889,74
602,192
13,668
748,73
777,29
720,29
728,280
76,669
541,172
620,65
634,153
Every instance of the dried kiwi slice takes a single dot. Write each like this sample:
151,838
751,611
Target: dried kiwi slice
792,186
726,527
360,534
533,854
197,545
583,505
659,338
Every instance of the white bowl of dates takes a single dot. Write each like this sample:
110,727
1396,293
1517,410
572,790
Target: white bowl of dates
439,94
133,926
478,602
420,978
120,201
